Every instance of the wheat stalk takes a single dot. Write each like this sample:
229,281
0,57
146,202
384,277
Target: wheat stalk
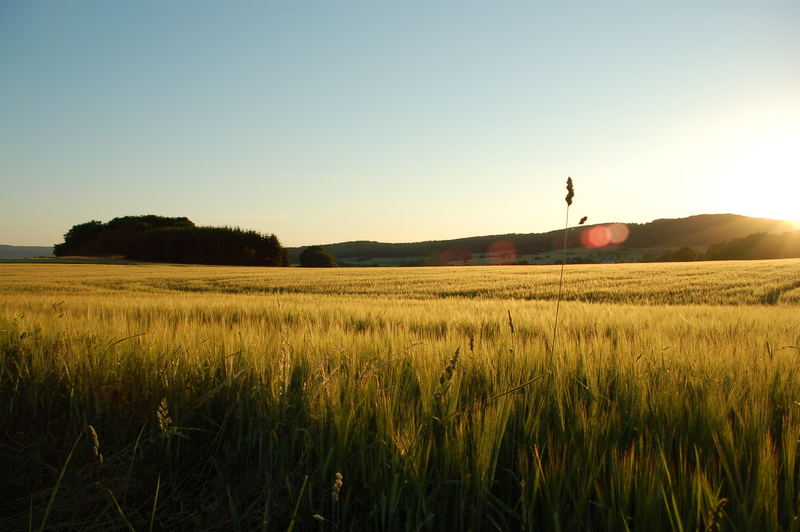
94,443
336,489
568,199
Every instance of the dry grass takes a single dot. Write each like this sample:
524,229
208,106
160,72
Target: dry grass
231,397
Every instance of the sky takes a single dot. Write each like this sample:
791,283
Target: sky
397,121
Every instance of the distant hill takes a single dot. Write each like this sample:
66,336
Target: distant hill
701,230
697,231
24,252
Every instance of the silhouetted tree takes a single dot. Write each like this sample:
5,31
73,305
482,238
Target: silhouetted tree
163,239
316,257
79,238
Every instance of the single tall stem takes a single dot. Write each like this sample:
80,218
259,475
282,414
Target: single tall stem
560,283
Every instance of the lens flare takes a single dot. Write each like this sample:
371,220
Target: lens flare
502,252
604,235
596,237
619,233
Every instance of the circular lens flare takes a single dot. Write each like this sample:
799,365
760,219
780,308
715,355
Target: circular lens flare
604,235
596,237
619,233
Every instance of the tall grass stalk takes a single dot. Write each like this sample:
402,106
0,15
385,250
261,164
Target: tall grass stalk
54,493
293,522
155,503
568,200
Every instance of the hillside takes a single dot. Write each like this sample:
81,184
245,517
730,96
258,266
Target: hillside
697,231
701,230
24,252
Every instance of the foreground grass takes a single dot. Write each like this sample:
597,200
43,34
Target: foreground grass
230,397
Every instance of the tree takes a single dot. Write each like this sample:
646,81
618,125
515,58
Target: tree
316,257
685,254
665,256
78,238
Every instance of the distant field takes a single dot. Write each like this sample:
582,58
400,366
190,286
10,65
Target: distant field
230,397
718,283
581,254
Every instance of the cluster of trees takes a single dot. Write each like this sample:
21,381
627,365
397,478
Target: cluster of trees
316,257
164,239
95,238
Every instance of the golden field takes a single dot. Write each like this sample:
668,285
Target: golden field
229,397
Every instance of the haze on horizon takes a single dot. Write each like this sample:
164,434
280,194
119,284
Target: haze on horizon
395,121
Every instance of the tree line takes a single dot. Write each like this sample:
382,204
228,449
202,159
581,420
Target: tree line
756,246
178,240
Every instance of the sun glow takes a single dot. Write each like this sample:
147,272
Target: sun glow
763,179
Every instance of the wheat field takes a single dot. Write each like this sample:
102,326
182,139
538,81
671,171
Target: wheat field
156,396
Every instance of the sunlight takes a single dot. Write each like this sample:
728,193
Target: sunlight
763,179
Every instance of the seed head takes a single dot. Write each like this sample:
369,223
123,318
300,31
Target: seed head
715,515
337,487
162,416
583,220
447,374
95,446
570,192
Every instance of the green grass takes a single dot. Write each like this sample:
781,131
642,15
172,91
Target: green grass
229,398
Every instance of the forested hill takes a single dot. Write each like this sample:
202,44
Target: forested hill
700,230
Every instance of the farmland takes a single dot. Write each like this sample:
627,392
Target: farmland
230,397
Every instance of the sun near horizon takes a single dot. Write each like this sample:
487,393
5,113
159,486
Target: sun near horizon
762,177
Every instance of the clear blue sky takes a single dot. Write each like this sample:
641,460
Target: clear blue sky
325,121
